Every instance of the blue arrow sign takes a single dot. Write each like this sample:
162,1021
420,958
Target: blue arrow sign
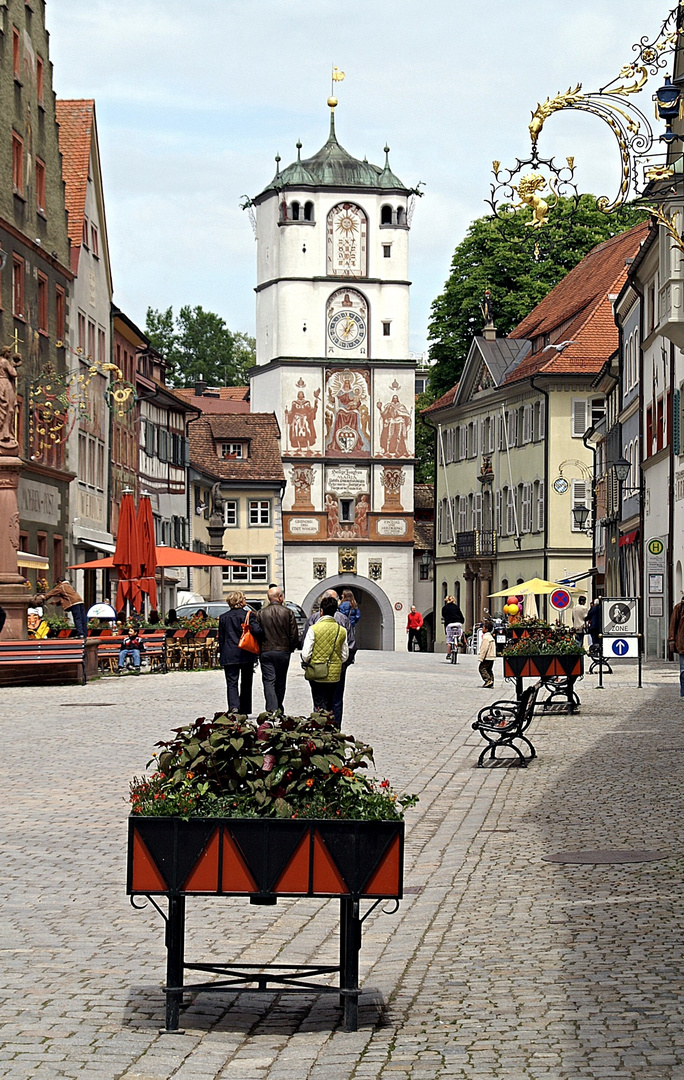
620,647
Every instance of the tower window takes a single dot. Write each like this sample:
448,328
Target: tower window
294,208
400,215
386,215
387,251
308,211
346,509
386,329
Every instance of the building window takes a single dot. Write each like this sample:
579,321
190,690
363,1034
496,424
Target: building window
231,513
254,572
400,215
60,312
579,417
233,450
260,512
386,327
81,332
386,215
41,544
347,510
57,556
91,340
387,251
580,497
102,346
18,269
40,185
84,235
40,80
17,164
42,303
16,54
308,211
95,241
294,211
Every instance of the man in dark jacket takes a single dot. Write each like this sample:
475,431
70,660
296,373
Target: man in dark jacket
281,638
676,639
343,620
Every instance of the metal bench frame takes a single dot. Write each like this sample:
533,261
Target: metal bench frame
505,722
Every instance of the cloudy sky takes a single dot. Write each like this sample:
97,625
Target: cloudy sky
194,100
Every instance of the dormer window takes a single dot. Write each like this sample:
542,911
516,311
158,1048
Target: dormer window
235,450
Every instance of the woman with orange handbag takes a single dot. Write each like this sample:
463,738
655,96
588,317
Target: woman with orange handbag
236,630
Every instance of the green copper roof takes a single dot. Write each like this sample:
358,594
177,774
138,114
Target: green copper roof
333,166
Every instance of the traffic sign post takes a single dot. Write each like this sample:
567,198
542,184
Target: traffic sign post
560,599
620,635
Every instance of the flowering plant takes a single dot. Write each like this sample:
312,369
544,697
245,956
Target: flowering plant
277,767
546,641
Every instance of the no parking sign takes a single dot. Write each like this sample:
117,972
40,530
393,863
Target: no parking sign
559,599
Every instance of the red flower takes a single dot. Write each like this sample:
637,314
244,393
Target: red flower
384,783
310,782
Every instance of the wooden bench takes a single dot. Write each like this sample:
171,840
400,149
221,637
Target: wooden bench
29,661
504,722
155,651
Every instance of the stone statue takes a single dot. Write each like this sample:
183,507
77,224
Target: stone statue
9,365
218,503
487,308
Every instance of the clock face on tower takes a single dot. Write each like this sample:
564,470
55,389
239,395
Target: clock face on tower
347,323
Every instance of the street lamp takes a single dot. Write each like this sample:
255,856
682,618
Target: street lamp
580,515
622,469
669,107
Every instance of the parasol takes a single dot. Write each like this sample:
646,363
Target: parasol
148,551
126,557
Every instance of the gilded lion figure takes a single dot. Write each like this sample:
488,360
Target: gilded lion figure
528,191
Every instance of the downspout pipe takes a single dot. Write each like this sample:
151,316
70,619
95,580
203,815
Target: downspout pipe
541,390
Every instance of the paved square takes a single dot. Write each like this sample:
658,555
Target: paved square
498,964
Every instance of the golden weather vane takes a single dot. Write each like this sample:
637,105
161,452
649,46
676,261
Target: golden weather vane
336,76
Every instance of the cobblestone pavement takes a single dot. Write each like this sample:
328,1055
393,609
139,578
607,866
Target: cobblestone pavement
498,964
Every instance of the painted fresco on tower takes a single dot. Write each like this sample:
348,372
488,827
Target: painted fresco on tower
393,415
347,518
347,413
302,420
346,324
346,241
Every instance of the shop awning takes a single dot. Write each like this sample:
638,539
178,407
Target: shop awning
629,538
32,562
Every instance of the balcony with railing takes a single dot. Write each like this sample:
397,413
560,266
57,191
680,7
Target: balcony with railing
475,543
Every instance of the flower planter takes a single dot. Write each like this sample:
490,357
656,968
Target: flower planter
263,859
544,666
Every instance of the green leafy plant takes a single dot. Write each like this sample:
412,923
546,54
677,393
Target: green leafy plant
277,767
546,641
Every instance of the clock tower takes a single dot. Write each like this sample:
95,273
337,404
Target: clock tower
333,365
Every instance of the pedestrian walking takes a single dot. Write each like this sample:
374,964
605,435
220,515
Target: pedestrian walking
453,620
280,639
65,595
487,654
414,623
324,651
237,663
579,619
676,639
349,607
343,620
594,622
132,645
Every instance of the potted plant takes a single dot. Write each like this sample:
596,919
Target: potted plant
544,652
283,806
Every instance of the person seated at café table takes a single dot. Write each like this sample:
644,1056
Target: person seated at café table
132,645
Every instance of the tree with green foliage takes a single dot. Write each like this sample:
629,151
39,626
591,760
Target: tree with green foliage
499,256
198,344
425,442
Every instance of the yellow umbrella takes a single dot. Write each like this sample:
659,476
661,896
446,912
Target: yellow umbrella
536,587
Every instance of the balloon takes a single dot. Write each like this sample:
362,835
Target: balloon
505,610
512,600
513,609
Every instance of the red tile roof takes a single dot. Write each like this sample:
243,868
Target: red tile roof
579,311
260,430
222,399
443,402
75,119
424,496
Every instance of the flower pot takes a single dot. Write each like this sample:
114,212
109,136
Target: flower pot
265,858
544,666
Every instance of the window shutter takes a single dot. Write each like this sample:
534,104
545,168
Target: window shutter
497,512
492,432
527,424
473,435
676,423
502,440
526,510
580,497
542,421
510,512
462,513
477,510
540,506
512,418
579,417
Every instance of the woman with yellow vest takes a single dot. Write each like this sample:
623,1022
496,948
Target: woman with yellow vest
324,651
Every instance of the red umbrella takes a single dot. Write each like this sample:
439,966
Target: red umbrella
166,557
126,557
148,551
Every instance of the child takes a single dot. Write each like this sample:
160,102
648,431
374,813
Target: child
487,654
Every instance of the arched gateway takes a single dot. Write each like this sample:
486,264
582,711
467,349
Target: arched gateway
375,629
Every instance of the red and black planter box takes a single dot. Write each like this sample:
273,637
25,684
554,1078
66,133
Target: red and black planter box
264,858
544,666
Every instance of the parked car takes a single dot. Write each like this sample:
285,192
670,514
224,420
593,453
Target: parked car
216,608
